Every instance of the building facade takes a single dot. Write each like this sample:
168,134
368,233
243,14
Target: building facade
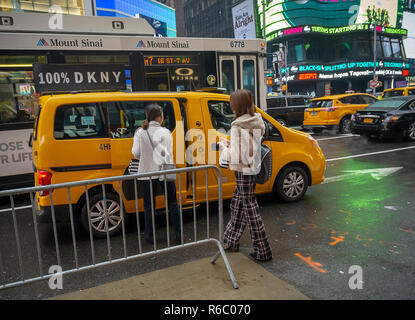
330,45
159,14
77,7
208,18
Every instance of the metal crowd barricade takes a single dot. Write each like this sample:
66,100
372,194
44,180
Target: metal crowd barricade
23,265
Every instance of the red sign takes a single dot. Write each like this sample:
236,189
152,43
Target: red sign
373,83
308,76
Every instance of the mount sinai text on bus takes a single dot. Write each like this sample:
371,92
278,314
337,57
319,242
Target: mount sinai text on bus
98,43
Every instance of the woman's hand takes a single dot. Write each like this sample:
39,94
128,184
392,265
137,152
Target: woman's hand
223,144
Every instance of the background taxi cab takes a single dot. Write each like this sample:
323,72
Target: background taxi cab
84,136
397,92
335,111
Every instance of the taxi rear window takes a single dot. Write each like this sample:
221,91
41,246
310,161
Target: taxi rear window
322,104
79,121
393,93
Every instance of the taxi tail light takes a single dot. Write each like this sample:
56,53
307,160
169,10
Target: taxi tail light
331,109
44,179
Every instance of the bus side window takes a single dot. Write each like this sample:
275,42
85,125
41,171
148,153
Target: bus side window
228,76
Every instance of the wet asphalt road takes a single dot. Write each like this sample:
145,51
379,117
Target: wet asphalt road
364,215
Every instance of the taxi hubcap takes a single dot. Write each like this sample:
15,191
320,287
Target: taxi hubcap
346,125
293,184
99,216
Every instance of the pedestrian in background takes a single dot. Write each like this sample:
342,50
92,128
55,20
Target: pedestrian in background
152,146
244,206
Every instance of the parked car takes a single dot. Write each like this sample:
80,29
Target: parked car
288,110
388,117
82,136
396,92
335,111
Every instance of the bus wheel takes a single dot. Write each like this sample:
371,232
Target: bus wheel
345,123
98,215
292,184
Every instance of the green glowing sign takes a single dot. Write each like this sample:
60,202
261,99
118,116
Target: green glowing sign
283,14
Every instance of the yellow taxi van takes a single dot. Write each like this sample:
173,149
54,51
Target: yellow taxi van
396,92
82,136
335,111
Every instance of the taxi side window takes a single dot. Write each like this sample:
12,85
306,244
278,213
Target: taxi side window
221,115
411,92
350,100
368,100
125,117
79,121
271,132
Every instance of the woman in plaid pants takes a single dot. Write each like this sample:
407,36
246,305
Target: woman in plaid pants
242,155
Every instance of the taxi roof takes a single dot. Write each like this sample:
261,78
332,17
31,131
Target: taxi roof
120,94
340,96
401,88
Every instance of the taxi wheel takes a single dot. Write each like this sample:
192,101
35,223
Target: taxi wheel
98,215
317,130
345,123
410,132
292,184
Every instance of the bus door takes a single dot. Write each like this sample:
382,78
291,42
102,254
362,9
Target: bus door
248,74
239,72
228,73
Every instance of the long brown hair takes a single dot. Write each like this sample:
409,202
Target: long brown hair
242,102
153,111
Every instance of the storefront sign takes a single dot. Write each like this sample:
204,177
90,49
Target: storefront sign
334,30
290,15
15,153
244,20
340,75
346,66
65,78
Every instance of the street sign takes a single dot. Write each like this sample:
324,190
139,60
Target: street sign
373,83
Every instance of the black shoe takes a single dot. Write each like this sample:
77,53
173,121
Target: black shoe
253,256
149,239
178,238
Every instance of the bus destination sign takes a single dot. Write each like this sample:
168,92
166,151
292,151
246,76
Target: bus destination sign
150,61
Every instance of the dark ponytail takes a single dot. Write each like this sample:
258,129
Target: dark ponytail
153,111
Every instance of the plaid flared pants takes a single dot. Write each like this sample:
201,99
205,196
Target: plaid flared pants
245,210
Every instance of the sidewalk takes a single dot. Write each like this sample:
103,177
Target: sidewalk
197,280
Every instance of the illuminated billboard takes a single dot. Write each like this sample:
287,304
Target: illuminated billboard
283,14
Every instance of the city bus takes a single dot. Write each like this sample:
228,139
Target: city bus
151,64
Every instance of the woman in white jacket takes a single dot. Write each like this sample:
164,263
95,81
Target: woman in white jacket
242,155
152,147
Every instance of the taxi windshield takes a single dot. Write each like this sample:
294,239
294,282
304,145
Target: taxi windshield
393,93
